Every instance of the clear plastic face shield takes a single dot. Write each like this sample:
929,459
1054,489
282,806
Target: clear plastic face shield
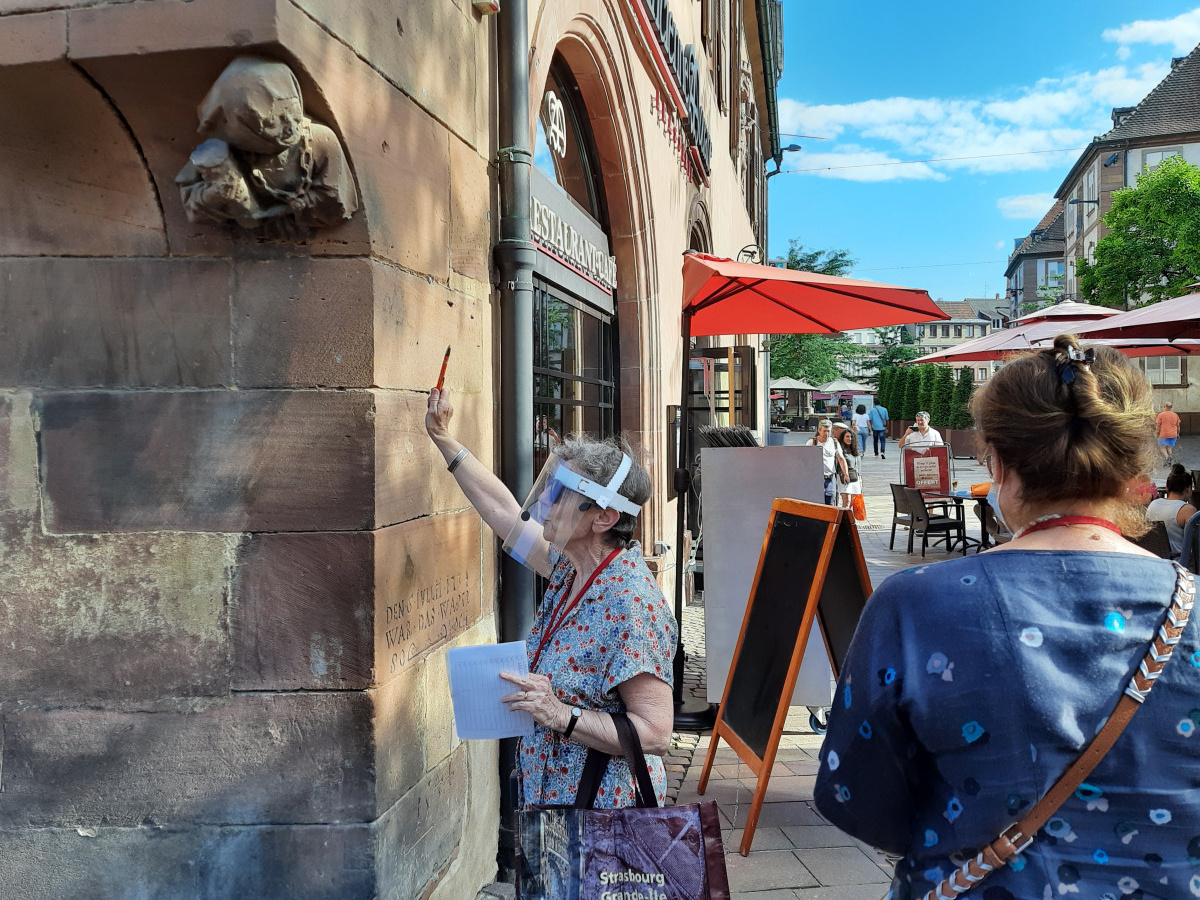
557,503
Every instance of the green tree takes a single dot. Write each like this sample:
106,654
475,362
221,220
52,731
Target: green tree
960,414
941,405
815,358
883,385
925,387
909,403
1152,250
824,262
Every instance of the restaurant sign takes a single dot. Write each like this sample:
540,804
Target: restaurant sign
573,249
685,69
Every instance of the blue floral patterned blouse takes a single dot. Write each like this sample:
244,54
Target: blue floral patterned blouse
621,628
972,684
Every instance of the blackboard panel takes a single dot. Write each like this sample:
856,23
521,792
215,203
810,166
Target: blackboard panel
842,597
760,670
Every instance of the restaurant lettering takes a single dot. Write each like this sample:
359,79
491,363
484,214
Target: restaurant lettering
682,60
560,239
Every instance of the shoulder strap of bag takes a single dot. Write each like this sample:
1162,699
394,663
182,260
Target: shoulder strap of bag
597,763
1014,839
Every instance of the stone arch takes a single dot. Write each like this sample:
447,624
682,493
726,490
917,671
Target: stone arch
74,181
589,39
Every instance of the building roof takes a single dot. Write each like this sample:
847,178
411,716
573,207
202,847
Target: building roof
989,307
1047,238
957,309
1171,108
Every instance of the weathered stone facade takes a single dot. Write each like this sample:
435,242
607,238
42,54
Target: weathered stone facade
230,560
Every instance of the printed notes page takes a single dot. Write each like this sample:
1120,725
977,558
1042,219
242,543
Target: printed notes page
476,688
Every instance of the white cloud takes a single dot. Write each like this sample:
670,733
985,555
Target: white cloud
1001,245
1036,128
1025,206
1182,33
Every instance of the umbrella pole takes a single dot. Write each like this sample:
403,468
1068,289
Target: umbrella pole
691,714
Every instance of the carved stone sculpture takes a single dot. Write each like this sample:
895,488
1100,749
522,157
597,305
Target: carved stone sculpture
264,164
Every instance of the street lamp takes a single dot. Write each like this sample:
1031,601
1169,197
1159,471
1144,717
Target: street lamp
790,148
1077,200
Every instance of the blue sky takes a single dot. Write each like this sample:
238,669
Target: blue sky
891,82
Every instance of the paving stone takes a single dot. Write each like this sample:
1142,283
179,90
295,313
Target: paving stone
841,865
776,814
763,895
803,766
766,870
840,892
807,836
764,839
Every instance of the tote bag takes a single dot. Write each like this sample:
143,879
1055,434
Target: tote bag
644,852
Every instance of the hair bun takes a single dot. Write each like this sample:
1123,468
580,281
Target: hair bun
1178,469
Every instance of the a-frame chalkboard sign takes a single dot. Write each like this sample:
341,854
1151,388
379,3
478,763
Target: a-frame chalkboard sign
811,567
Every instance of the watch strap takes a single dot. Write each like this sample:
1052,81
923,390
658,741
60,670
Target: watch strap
576,715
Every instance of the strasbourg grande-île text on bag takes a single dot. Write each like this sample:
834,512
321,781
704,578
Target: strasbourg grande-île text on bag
1014,839
645,852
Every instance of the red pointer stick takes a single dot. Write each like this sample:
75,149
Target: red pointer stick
442,374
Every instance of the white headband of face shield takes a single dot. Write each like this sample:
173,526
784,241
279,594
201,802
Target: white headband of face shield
553,490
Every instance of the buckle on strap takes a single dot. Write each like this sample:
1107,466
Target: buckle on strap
1014,839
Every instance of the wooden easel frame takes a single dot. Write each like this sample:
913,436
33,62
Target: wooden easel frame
835,520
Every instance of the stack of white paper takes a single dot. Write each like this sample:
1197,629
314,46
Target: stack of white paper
476,688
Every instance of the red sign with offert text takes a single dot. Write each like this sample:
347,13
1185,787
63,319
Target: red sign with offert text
927,468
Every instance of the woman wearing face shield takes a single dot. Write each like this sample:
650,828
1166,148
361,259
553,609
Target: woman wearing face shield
972,685
603,636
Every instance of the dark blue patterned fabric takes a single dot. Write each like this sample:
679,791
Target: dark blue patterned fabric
972,684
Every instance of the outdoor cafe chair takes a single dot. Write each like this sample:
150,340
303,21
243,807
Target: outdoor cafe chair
1156,541
987,518
900,515
926,523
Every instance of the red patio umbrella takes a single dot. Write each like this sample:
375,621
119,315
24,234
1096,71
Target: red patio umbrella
721,296
1169,320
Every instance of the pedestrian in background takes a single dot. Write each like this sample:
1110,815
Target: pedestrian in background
1168,432
851,484
832,459
920,434
862,424
879,419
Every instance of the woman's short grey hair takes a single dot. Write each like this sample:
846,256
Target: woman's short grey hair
598,461
825,423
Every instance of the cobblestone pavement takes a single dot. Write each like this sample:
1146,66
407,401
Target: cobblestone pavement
796,854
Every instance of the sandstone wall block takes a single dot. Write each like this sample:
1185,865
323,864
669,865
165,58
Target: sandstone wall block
145,323
251,759
304,323
303,612
208,461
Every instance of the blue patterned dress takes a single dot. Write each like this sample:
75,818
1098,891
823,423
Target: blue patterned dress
621,628
973,683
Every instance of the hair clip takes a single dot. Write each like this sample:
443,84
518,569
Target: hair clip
1066,368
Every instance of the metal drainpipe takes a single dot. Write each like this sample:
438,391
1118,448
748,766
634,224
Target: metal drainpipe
515,254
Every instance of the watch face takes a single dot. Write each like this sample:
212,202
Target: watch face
576,712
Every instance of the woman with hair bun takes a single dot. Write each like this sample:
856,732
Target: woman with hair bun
1176,508
971,685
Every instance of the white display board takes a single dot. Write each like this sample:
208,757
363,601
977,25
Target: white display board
740,484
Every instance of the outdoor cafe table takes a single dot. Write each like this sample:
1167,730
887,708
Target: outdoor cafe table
958,495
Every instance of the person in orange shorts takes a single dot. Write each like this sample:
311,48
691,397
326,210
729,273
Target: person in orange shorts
1168,432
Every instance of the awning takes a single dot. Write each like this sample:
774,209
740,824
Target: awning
1169,320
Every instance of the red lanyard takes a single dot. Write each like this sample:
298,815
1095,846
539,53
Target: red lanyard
556,620
1061,521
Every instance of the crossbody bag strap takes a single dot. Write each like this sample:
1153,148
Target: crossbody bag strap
1014,839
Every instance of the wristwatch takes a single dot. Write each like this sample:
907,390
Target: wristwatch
576,715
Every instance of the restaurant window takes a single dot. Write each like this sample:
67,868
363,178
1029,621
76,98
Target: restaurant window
958,331
945,331
563,146
1164,371
981,374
